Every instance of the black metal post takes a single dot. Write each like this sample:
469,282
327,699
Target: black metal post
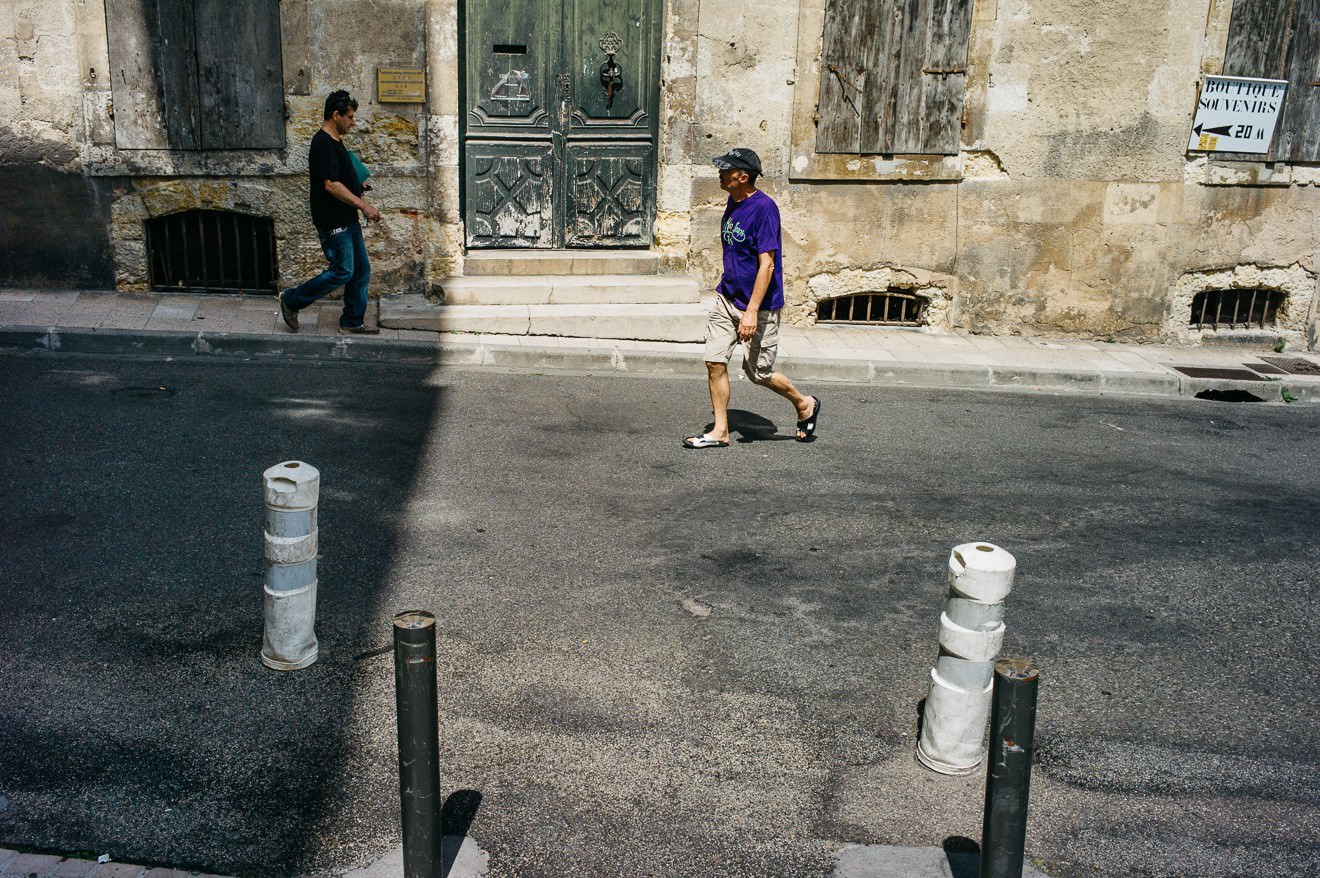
419,741
1008,783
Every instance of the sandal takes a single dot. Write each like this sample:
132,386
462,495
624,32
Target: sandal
807,426
705,440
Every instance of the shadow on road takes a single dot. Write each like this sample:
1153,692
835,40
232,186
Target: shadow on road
137,718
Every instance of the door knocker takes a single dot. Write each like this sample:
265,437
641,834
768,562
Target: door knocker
611,75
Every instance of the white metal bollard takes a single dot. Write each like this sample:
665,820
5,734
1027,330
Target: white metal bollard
971,632
291,489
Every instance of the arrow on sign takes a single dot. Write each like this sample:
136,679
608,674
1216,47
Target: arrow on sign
1224,130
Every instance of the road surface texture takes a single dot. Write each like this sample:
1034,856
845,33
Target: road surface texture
653,661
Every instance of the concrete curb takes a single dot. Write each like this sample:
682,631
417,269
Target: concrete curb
605,355
890,861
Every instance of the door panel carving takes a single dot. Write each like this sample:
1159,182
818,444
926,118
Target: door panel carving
559,122
609,200
510,197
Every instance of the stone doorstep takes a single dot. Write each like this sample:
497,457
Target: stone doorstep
641,322
553,289
563,262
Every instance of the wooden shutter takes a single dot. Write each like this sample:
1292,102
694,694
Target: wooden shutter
154,74
1280,39
240,74
893,75
196,74
1298,137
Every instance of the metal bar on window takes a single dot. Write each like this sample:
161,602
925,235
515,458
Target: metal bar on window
201,250
258,279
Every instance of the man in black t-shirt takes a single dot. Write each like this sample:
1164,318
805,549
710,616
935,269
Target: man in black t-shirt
336,198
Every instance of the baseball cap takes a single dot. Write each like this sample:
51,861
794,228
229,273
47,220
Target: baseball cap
741,158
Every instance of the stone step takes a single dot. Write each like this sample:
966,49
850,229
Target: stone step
487,263
673,322
591,289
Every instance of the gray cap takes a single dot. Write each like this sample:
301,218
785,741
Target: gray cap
741,158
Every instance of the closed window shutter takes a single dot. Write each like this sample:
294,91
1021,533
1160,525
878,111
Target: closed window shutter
240,74
1280,39
196,74
153,74
893,76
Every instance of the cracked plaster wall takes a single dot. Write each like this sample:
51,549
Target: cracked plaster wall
57,108
1071,209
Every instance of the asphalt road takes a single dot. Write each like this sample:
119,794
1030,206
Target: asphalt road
653,661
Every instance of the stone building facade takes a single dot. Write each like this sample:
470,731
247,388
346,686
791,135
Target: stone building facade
1063,202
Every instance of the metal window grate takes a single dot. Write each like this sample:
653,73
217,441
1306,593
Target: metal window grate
1235,309
211,251
889,308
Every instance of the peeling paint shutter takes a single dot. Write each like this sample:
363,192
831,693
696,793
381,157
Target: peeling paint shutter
196,74
1281,40
893,74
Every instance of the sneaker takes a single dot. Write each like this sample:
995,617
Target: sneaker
362,329
290,315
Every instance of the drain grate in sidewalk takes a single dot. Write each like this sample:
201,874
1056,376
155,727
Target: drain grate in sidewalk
1294,365
1207,372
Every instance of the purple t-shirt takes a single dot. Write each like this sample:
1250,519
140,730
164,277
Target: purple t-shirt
750,228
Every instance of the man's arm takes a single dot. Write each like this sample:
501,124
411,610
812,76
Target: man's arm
765,269
344,194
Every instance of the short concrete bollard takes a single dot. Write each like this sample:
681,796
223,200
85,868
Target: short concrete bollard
971,632
291,489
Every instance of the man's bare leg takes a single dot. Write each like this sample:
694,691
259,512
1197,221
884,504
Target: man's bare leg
718,376
779,383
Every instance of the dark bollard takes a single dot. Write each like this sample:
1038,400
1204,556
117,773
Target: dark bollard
1007,785
419,741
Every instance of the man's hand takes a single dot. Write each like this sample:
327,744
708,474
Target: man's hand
747,326
340,191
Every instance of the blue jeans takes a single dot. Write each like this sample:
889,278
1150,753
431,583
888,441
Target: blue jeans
349,268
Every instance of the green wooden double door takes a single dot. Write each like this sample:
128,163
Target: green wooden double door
560,122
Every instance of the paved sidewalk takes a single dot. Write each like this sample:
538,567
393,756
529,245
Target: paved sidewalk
19,865
249,326
468,861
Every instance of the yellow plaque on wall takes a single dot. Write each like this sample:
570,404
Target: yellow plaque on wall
401,85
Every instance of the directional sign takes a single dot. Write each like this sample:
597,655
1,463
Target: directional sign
1237,114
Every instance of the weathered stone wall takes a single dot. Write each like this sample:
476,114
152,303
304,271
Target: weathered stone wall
42,126
58,102
1073,208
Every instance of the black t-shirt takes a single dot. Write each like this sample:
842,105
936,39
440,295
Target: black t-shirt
327,159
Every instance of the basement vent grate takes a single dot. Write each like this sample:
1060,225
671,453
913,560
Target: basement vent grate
889,308
211,251
1294,365
1216,372
1235,309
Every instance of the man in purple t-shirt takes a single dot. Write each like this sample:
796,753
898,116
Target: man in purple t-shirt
751,294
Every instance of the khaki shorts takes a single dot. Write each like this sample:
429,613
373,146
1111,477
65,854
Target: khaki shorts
722,338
